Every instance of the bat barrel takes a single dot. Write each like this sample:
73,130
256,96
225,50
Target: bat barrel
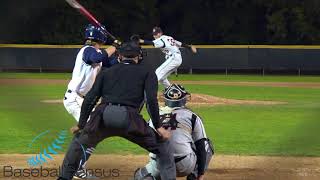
90,17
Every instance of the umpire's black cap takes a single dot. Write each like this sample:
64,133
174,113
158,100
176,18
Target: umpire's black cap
156,30
130,49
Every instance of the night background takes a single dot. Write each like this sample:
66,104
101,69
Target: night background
255,83
191,21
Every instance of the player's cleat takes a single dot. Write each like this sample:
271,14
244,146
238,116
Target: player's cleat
83,174
142,174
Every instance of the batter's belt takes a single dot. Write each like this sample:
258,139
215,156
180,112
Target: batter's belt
70,91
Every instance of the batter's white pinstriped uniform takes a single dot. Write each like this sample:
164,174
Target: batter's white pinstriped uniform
83,77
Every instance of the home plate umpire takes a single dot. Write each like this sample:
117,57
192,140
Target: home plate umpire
123,88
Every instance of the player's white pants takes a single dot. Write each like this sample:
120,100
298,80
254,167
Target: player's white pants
169,66
73,102
184,167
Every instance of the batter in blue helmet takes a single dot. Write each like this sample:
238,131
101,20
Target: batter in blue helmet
89,61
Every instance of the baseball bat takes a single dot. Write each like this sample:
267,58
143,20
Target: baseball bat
90,17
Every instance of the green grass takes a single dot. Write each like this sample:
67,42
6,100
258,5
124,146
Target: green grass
287,130
181,77
257,130
35,75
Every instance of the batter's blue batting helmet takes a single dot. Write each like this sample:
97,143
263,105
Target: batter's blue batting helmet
95,33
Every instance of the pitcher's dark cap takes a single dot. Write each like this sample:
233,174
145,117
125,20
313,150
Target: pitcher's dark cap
156,30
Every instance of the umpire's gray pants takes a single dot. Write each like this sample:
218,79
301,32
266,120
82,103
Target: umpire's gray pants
125,122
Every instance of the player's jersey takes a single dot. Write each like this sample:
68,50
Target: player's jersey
167,44
183,137
84,74
187,133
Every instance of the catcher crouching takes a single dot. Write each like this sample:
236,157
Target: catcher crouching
192,148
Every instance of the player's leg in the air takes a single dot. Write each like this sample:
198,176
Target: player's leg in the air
169,66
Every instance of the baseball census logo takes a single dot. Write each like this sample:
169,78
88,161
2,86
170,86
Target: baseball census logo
46,144
46,150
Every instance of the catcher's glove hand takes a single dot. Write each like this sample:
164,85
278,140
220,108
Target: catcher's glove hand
169,121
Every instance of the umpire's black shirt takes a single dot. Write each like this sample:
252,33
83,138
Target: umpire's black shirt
124,83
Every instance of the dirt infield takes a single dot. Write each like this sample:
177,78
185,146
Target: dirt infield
207,100
221,168
201,100
227,83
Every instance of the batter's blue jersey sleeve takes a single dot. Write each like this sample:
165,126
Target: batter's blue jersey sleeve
91,55
112,60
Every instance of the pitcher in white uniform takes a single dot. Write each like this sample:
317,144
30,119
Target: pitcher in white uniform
192,148
170,47
88,63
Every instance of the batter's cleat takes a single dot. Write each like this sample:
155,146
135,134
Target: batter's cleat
83,174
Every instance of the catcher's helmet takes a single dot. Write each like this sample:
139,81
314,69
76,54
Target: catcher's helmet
95,33
175,96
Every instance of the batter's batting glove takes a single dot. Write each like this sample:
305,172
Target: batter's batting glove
116,43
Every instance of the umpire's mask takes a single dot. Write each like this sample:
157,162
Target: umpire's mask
175,96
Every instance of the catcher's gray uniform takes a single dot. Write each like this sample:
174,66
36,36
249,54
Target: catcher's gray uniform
189,130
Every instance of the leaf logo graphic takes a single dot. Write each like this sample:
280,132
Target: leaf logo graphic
52,149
